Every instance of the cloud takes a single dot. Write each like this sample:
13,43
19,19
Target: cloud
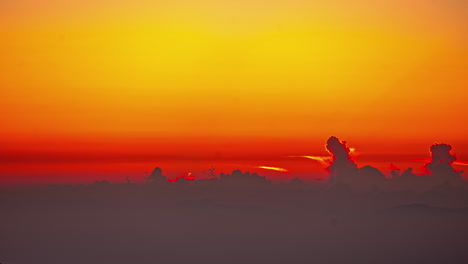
342,169
156,176
441,161
239,178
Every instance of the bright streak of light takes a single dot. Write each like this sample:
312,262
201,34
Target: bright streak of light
322,159
461,163
273,168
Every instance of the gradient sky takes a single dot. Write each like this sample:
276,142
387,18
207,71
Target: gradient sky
87,86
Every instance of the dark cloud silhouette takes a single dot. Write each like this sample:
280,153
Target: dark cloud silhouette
441,162
408,174
243,179
156,176
394,171
369,178
343,170
296,181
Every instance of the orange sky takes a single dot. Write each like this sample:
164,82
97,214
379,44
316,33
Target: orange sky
262,79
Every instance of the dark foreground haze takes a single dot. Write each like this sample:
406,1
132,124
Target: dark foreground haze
199,224
358,216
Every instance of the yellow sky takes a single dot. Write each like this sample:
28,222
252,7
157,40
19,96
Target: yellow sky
287,69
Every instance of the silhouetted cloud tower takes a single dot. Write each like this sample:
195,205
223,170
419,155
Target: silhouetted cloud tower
342,169
441,162
156,176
